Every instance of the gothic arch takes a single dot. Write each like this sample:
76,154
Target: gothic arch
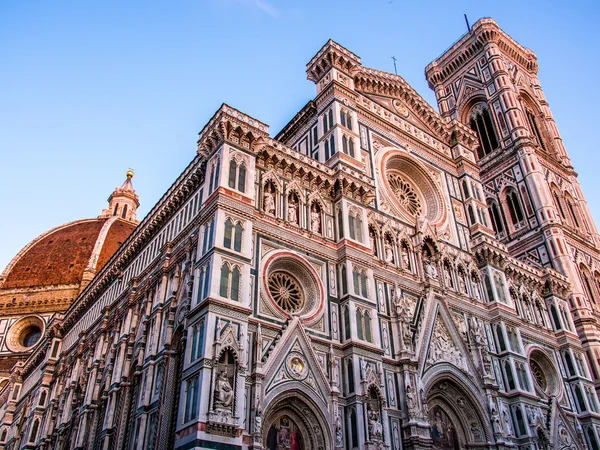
310,416
449,391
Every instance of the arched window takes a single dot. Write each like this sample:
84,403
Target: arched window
42,401
572,211
569,363
346,313
367,323
124,214
326,149
232,173
217,168
580,401
351,147
116,210
325,124
481,122
330,118
224,285
500,336
227,233
332,144
350,376
510,379
34,431
237,239
535,130
359,324
466,191
344,280
472,219
495,215
235,284
229,286
587,285
349,120
355,225
363,283
242,178
353,429
345,144
513,339
343,118
555,319
514,206
520,426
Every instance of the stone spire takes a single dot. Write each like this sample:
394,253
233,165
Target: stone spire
123,202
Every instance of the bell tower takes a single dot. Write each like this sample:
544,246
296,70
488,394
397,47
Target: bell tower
489,82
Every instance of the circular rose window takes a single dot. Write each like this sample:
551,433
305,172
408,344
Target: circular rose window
25,334
292,287
286,291
405,194
408,187
544,373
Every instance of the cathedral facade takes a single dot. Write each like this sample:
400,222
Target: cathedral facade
378,275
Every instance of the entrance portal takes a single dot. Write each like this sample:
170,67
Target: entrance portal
294,422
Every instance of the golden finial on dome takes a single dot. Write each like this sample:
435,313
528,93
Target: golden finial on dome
129,174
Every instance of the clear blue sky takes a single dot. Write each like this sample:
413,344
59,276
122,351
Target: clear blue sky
89,88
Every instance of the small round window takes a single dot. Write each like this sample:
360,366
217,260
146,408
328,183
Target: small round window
25,334
30,336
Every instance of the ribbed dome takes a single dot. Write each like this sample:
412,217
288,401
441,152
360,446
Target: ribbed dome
62,255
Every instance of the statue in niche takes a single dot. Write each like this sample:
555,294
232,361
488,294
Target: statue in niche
338,431
373,241
411,400
375,428
462,284
430,270
292,209
448,277
223,391
476,291
405,257
499,286
404,313
389,253
476,332
315,219
269,199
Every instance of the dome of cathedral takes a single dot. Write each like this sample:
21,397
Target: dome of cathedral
62,255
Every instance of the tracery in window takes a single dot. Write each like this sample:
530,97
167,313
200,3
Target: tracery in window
514,206
496,217
237,176
481,122
535,129
405,194
286,291
229,286
355,225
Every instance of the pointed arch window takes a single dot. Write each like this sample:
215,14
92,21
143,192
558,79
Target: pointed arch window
34,431
346,313
229,286
232,173
116,210
514,207
330,118
533,125
510,378
227,233
558,204
355,226
481,122
124,214
367,325
359,324
332,144
326,149
572,211
496,217
237,237
585,278
344,280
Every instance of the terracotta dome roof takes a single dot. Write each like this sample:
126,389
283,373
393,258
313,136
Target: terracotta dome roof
62,255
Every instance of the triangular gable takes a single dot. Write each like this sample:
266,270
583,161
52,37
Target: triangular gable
562,434
294,361
443,342
400,109
380,85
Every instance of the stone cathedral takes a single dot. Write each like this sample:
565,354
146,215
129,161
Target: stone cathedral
377,275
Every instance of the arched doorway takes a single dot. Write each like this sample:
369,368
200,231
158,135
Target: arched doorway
293,422
456,415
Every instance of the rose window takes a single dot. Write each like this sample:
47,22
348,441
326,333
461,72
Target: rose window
286,291
538,374
405,194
